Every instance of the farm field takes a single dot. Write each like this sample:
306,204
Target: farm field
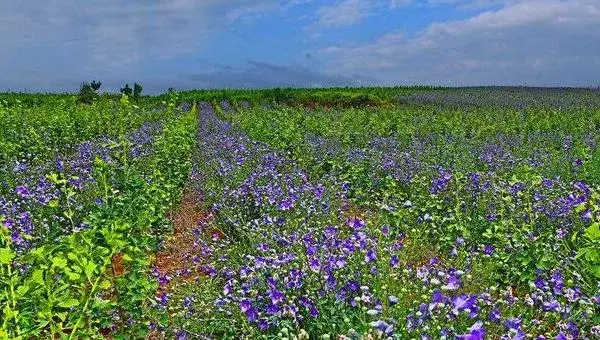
367,213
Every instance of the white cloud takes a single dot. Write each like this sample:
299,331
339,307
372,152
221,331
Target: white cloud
113,36
538,42
343,13
57,44
263,74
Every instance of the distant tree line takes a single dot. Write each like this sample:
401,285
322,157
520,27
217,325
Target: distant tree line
88,91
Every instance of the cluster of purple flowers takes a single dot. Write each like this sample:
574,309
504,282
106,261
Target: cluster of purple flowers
33,209
299,251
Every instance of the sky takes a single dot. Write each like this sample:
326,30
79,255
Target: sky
54,45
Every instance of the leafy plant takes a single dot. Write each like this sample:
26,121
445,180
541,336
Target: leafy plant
137,91
95,85
88,92
126,90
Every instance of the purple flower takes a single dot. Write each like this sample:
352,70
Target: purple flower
548,183
586,216
330,231
453,283
353,285
272,309
440,183
488,249
23,191
382,326
251,314
163,300
561,336
245,305
513,324
552,306
355,223
182,335
371,255
394,261
263,324
285,205
9,223
438,297
494,315
319,191
462,302
476,332
313,311
331,281
188,302
314,264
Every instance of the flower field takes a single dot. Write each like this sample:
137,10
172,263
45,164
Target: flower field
307,214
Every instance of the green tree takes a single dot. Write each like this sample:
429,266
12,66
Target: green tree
126,90
88,92
137,91
95,85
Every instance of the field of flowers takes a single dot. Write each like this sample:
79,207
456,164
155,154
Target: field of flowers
83,195
423,220
302,214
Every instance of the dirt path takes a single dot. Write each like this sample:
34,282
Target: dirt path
176,258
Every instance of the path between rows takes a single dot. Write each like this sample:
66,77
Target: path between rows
174,262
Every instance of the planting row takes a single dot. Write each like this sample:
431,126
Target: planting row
373,236
78,230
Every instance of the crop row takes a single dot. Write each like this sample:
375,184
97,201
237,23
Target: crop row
370,236
78,230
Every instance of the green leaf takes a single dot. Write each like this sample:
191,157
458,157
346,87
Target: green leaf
595,269
59,262
593,231
6,255
52,177
90,267
592,255
73,276
22,290
104,284
68,303
62,316
38,276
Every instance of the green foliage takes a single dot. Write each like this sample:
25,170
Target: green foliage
95,85
533,199
70,288
97,280
137,91
88,92
126,90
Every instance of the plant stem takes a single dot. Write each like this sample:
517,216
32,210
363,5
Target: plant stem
89,298
13,298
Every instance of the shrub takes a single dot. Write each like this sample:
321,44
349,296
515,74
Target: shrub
88,92
137,91
126,90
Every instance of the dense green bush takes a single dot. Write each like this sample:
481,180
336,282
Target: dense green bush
88,92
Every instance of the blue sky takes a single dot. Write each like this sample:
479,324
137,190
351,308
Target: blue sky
54,45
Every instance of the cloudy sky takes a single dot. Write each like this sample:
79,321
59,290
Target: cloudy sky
53,45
